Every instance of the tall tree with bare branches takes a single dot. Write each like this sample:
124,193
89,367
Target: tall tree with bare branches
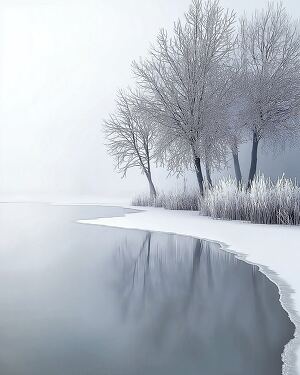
130,135
186,77
270,53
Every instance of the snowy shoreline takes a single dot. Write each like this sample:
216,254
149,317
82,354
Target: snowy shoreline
272,248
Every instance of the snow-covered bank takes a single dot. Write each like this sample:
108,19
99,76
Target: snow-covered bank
274,248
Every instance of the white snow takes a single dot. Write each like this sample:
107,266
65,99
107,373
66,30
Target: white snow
276,249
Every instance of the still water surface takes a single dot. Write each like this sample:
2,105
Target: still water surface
87,300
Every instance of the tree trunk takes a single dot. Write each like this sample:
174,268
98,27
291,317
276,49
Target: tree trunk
253,165
237,168
153,193
208,176
199,174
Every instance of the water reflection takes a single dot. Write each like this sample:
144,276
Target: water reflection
80,299
197,309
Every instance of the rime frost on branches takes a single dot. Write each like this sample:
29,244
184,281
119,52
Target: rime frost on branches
270,56
187,77
207,88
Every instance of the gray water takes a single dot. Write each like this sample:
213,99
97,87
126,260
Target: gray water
84,300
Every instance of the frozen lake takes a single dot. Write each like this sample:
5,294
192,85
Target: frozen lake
80,299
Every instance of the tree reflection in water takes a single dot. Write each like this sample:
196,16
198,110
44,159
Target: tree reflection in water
193,307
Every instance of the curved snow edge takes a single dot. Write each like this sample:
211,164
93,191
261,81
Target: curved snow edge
289,355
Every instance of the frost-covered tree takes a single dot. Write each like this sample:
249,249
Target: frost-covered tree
130,135
186,77
270,53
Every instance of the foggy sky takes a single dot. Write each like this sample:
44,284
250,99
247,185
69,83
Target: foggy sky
61,63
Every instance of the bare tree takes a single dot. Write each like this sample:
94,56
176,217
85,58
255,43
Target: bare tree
236,161
235,129
215,148
184,77
130,135
270,52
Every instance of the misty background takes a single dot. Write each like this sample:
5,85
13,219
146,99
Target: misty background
61,63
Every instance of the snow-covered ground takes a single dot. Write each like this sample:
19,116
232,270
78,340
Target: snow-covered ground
276,249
